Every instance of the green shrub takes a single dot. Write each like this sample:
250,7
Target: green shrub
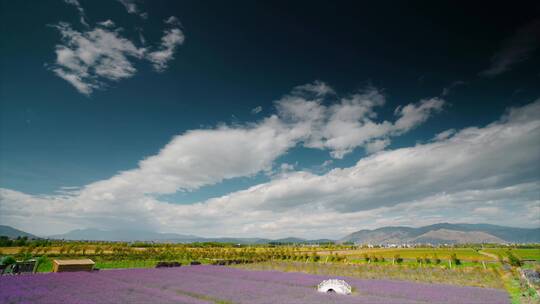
455,259
8,260
513,260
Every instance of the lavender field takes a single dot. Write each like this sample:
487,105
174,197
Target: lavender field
222,285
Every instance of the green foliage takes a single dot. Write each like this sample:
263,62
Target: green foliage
513,260
23,241
366,257
8,260
455,259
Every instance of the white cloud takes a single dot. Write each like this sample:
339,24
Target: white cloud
132,8
172,20
515,49
107,23
412,115
90,59
172,38
256,110
377,145
350,122
444,134
82,14
86,59
443,180
449,88
318,88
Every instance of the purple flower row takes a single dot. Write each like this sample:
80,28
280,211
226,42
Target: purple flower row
210,284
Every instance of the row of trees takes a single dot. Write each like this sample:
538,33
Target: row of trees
397,259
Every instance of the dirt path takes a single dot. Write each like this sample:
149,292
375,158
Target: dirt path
491,255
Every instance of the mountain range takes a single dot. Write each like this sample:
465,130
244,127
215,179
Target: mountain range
443,233
13,233
134,235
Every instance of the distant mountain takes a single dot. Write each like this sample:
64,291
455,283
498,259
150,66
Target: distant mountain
148,236
13,233
122,235
445,233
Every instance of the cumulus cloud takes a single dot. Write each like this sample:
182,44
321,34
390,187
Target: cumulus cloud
86,59
351,121
91,59
515,49
449,178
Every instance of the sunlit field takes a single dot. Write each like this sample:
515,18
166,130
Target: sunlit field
473,266
269,152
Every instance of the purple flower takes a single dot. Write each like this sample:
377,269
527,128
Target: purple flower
210,284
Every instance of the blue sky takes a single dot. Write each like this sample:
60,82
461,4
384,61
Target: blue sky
202,117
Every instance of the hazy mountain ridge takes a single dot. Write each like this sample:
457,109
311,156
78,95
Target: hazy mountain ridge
13,233
120,235
445,233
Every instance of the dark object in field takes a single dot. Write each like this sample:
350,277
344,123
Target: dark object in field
195,263
168,264
24,267
73,265
230,262
532,275
8,269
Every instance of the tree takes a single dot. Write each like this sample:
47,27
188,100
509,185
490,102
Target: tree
513,260
455,259
367,258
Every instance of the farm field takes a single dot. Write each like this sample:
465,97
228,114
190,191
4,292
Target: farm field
522,253
224,285
466,254
464,276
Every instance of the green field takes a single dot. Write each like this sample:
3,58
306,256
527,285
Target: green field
468,276
112,264
465,254
522,253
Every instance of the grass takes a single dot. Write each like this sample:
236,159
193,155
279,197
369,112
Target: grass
464,276
412,253
111,264
524,254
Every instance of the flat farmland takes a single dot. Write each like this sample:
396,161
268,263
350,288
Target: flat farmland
467,254
522,253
